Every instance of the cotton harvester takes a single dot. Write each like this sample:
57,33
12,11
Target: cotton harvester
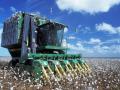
35,44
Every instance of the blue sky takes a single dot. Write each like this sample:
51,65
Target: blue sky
94,26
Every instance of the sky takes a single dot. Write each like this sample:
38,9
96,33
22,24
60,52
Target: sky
93,25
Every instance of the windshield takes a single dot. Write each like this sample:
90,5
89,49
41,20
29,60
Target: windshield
50,34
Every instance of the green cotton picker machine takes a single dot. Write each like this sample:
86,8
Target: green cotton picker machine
35,45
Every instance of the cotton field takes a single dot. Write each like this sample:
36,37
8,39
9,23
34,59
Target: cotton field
105,75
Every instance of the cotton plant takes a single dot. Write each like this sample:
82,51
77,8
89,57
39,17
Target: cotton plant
105,73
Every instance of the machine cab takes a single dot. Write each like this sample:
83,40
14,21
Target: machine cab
49,37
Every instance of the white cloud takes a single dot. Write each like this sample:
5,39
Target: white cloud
71,37
35,13
80,46
65,30
88,6
64,43
112,41
13,9
106,47
108,28
96,50
72,46
95,41
109,51
83,29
